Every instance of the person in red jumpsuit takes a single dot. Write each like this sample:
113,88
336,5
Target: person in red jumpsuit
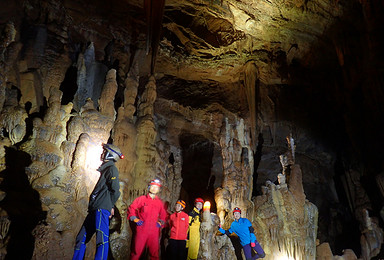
149,215
179,224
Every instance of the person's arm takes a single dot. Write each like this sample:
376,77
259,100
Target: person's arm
227,232
251,229
132,212
113,184
251,233
162,215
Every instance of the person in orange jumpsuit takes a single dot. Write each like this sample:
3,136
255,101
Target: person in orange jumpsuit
179,224
149,215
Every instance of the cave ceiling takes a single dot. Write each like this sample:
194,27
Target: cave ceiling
204,47
201,40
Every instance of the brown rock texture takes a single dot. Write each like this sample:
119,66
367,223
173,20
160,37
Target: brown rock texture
204,95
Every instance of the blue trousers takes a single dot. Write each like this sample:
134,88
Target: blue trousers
96,221
248,251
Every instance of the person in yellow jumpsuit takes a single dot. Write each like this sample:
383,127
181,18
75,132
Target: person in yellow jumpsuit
193,243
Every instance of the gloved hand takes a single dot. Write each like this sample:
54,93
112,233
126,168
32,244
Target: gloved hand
158,224
222,230
138,221
253,244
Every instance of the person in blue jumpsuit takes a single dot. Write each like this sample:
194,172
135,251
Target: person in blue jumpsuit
100,207
242,227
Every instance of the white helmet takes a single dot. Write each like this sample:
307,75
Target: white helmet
112,152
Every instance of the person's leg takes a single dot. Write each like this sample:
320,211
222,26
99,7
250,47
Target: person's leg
194,243
181,250
102,234
139,242
259,250
171,250
80,245
153,244
248,252
85,234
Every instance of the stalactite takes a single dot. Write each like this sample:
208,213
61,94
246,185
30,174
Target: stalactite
154,13
8,36
250,83
84,91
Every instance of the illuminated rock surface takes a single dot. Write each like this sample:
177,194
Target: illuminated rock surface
232,80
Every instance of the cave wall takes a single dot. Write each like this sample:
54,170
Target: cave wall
49,144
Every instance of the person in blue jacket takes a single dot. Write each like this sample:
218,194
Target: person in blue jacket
242,227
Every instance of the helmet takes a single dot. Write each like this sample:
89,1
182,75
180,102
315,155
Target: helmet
236,210
182,203
199,200
112,152
155,182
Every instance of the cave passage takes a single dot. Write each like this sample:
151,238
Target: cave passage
69,85
198,181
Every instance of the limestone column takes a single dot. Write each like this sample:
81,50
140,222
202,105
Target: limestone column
124,136
237,169
145,142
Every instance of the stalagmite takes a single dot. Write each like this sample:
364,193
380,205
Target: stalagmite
208,229
291,220
107,97
124,136
146,134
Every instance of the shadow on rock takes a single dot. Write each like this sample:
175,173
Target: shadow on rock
22,204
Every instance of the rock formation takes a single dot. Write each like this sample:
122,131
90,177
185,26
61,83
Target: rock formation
270,106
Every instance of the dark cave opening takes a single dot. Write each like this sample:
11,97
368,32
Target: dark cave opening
22,204
198,180
69,85
344,220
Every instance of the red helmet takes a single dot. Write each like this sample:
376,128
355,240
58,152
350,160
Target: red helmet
199,200
155,182
236,210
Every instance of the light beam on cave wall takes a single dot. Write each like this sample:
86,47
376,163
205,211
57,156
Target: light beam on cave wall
93,158
93,162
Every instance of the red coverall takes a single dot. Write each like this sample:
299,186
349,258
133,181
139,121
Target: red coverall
176,248
179,223
151,211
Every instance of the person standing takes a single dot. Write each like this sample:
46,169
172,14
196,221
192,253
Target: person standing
101,206
179,224
149,215
242,227
193,243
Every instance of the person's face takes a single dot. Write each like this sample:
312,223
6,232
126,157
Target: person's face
102,156
237,215
199,205
178,207
154,189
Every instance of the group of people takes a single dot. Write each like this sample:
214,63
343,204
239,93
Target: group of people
149,215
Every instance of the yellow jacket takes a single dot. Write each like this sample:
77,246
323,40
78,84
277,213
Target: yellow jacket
194,234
